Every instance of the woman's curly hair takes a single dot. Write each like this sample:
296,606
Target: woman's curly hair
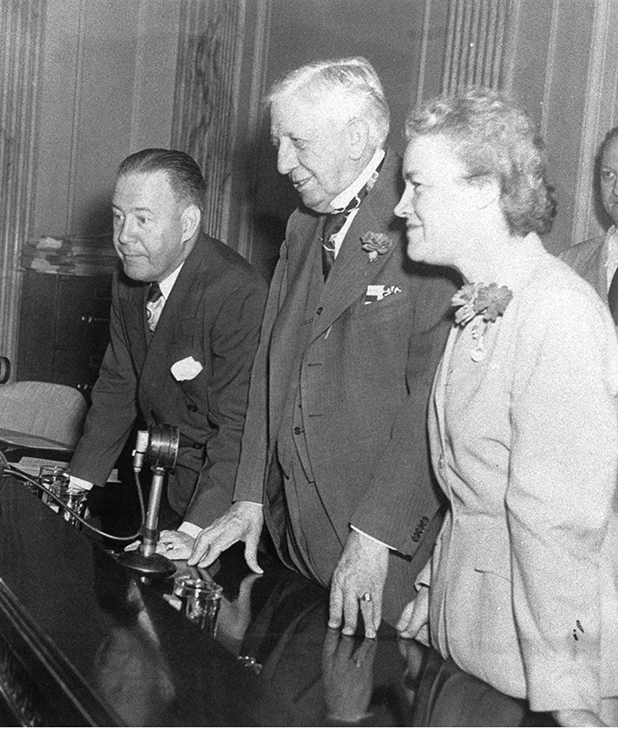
494,139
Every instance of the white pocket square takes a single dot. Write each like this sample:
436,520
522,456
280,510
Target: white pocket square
186,369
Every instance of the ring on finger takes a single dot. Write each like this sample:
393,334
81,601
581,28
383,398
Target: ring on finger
169,546
366,597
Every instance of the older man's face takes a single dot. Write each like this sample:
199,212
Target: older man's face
609,179
149,226
313,147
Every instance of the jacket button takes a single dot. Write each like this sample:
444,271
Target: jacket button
192,408
297,430
197,445
319,310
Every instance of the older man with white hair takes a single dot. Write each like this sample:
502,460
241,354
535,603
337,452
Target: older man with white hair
334,455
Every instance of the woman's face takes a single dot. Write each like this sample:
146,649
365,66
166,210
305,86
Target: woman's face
438,202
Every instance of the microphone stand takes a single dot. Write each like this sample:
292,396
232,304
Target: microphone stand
158,445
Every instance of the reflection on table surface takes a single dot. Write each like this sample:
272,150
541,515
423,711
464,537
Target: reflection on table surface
97,639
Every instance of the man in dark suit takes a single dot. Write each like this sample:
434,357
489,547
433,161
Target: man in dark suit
596,260
185,319
335,442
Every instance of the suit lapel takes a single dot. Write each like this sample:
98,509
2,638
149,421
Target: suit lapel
179,306
596,273
300,295
353,271
134,314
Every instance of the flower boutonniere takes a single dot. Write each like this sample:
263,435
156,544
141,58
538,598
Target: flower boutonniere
376,244
476,299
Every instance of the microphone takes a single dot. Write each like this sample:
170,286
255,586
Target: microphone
141,445
4,464
159,447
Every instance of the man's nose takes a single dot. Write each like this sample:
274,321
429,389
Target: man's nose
286,157
124,232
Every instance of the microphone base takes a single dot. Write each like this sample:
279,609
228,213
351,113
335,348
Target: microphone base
155,564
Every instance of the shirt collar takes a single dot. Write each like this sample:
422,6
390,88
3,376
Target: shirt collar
343,198
168,283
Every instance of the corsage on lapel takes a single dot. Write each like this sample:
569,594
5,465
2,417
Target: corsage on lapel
376,244
478,299
186,369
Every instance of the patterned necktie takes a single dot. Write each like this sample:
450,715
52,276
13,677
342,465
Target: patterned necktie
334,222
154,305
612,297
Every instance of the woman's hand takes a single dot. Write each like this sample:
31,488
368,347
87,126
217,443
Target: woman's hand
415,615
577,717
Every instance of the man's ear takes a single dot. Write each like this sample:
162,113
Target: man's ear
191,221
358,137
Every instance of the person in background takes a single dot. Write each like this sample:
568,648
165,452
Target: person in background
596,260
521,589
334,454
185,319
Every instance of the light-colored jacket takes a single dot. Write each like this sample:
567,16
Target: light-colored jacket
525,445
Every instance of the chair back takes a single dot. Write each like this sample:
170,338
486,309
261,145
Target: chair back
43,409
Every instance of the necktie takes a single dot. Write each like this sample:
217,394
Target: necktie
334,222
154,305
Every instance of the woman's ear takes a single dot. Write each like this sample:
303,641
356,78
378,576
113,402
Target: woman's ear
487,192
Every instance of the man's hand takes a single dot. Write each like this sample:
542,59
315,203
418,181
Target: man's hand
359,580
172,544
242,522
234,617
348,676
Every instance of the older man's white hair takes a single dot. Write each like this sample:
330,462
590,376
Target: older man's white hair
351,84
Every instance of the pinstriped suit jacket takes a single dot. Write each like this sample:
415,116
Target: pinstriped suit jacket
363,370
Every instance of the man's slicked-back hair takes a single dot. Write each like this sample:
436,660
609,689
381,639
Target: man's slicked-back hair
183,173
609,137
494,139
354,79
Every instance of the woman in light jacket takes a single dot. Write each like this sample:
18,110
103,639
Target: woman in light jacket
521,590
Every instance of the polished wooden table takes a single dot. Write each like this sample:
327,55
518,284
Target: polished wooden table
86,642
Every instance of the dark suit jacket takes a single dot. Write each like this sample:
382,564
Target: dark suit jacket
364,371
588,260
213,314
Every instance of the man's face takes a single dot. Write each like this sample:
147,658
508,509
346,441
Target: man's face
609,179
436,202
313,147
149,230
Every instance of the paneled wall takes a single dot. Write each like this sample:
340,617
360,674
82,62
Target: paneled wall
557,57
219,82
86,82
21,28
565,70
107,89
